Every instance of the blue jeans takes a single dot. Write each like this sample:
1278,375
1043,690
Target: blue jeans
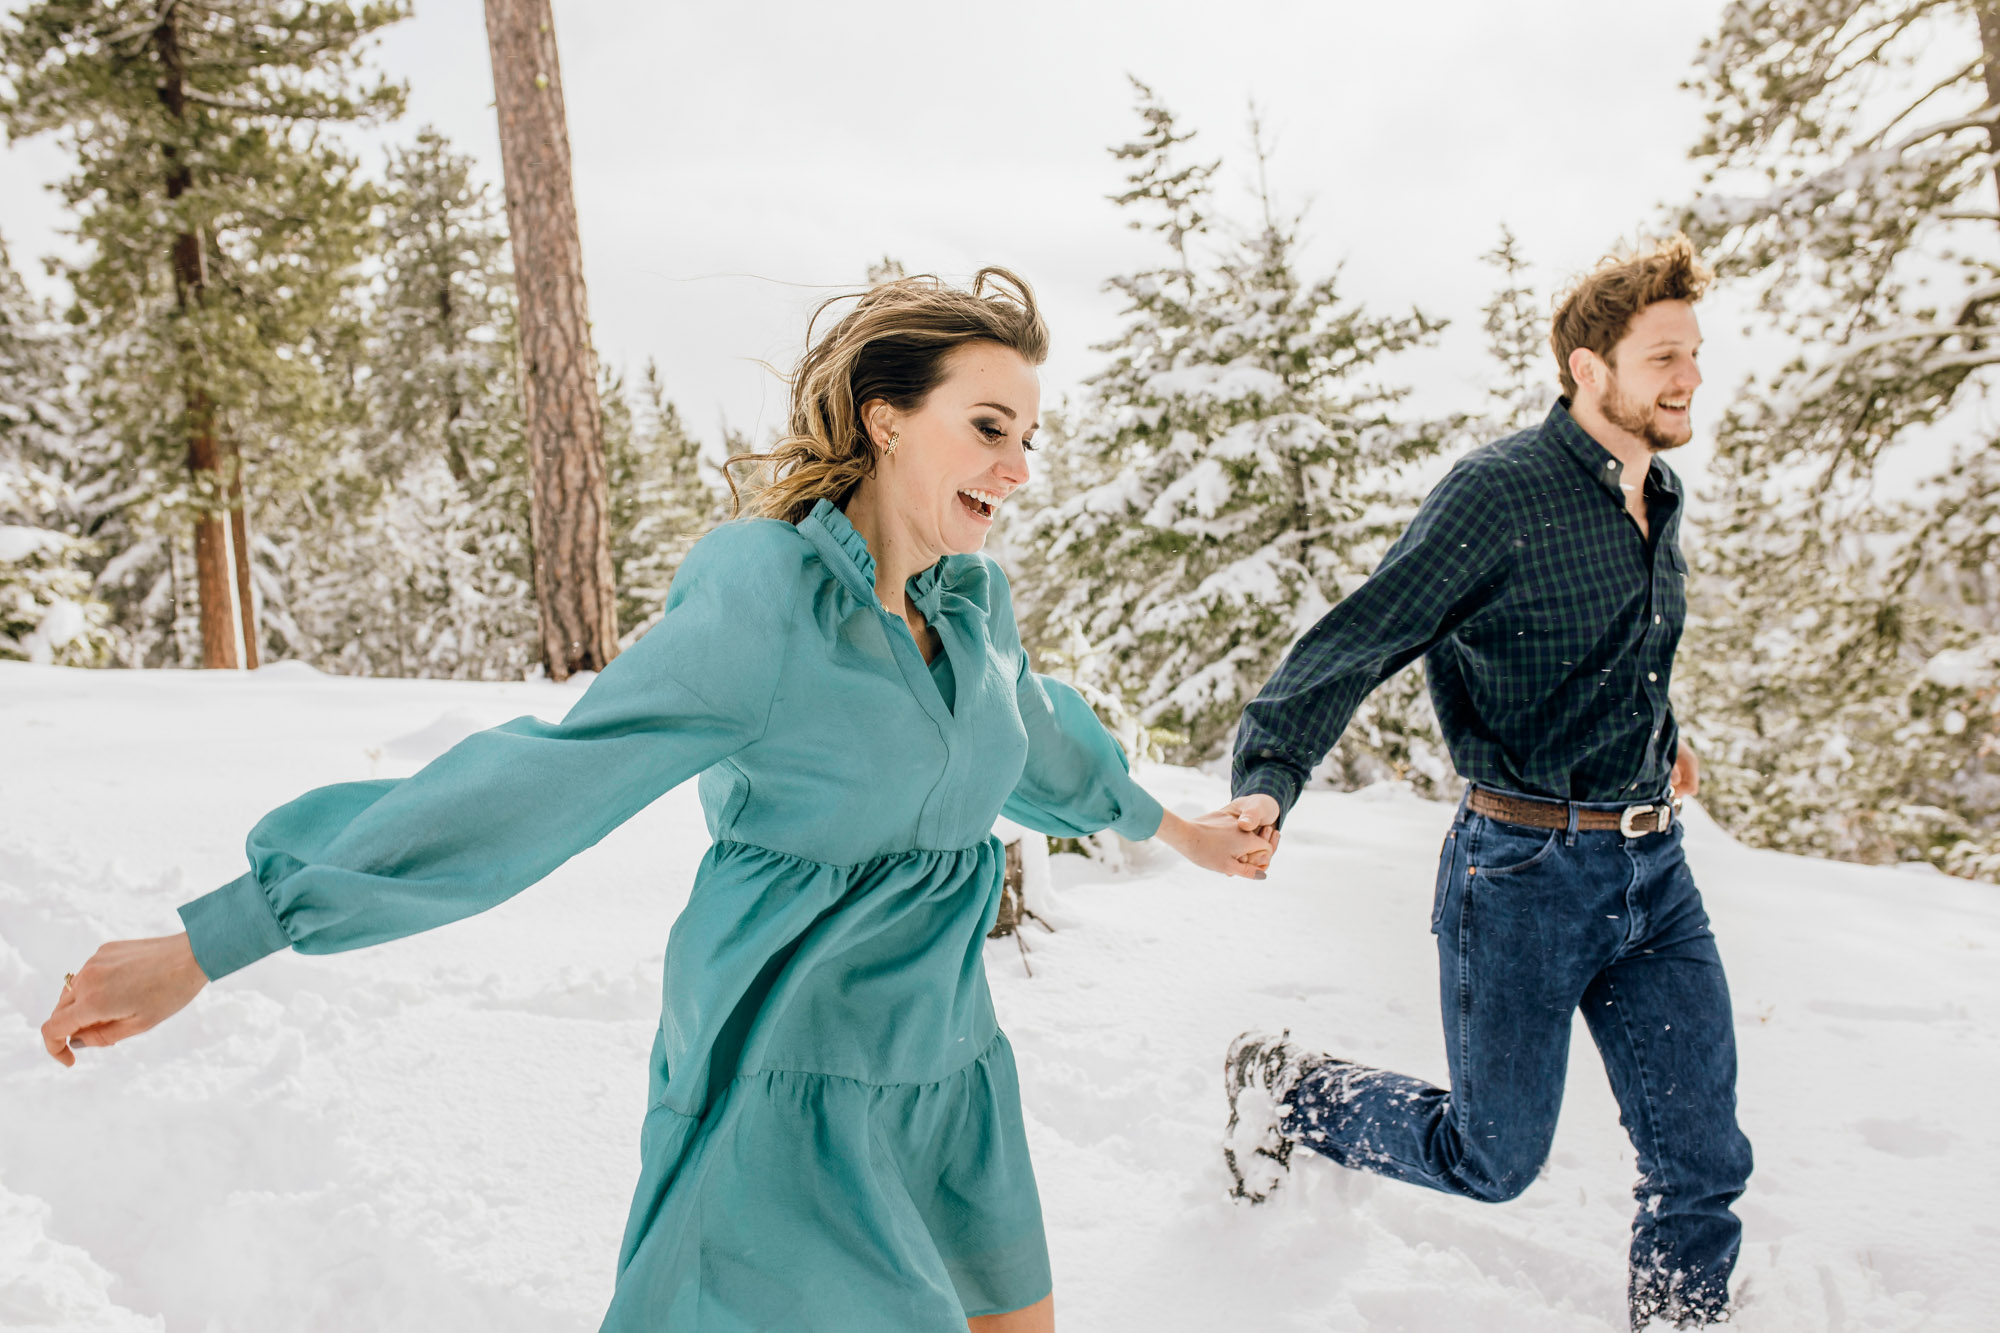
1531,923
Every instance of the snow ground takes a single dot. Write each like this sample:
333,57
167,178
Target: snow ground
441,1133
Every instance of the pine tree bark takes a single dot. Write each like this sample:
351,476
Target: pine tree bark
218,483
1989,42
570,517
239,537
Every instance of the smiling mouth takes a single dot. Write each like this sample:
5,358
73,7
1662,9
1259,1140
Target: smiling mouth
1680,406
980,504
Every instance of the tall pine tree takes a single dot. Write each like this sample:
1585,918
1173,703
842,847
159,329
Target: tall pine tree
1251,471
406,551
220,227
1517,338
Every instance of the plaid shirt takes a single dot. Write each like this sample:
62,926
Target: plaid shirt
1546,622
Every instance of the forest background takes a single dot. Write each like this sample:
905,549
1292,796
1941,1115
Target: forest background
1314,268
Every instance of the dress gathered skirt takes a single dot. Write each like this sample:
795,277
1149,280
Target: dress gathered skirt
833,1138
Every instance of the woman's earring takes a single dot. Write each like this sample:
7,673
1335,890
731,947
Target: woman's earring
890,448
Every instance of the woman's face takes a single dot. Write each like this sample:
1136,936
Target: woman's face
960,455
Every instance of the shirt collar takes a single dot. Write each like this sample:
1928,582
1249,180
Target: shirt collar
1594,458
845,552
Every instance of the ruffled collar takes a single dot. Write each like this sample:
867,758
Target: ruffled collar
845,552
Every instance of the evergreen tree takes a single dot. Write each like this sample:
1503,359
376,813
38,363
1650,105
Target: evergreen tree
661,503
406,552
1833,673
1253,471
886,269
561,413
48,608
1517,337
220,228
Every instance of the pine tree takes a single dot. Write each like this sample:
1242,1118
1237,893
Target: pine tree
406,553
562,413
1253,472
1833,673
220,228
661,503
1517,337
49,611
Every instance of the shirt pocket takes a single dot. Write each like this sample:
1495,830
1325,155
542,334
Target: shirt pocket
1670,591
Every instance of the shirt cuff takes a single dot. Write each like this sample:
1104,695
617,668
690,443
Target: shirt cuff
1272,780
1139,814
232,927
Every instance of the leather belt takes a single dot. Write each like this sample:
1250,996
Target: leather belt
1633,821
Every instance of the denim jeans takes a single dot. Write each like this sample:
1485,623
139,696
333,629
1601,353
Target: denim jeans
1531,924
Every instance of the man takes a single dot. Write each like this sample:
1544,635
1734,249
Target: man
1543,584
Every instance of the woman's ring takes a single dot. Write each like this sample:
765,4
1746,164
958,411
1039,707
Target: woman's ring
69,981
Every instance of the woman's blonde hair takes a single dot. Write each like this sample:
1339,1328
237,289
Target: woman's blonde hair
892,345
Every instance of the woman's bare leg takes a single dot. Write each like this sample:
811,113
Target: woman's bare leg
1037,1318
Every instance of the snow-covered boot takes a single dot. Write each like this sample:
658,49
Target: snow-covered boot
1258,1075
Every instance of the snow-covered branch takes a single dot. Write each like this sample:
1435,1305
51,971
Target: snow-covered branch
1850,354
1852,173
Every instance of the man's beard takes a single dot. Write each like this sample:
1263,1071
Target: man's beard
1637,419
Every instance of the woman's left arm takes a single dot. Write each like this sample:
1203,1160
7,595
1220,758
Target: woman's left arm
1077,781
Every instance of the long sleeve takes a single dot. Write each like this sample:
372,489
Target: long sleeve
1076,779
1448,563
358,863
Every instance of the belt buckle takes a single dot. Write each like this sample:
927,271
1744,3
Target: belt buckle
1631,812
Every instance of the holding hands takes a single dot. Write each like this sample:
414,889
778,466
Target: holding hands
1256,814
1223,841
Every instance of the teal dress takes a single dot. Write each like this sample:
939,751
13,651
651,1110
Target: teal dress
833,1139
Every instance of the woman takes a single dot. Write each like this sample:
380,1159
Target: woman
834,1137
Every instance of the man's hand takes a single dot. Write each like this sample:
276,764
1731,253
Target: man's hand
1259,815
1686,778
1218,842
125,988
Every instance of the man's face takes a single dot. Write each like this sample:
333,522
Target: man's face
1652,374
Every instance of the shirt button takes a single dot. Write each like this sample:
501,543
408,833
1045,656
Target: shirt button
1611,462
1652,675
1656,620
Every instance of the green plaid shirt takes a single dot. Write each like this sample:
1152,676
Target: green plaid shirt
1546,622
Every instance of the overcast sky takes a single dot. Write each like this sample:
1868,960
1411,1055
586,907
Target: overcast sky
734,162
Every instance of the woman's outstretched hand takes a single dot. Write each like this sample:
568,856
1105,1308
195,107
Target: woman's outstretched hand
1217,841
125,988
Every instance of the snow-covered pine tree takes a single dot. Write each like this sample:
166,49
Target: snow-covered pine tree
1837,673
404,552
48,609
1253,471
220,226
661,503
1517,337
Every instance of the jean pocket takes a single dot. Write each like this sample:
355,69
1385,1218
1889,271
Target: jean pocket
1509,849
1447,872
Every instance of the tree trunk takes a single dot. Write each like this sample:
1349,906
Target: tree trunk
214,597
218,489
1989,42
239,536
569,521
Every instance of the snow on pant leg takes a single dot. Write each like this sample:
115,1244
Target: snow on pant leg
1519,937
1662,1019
